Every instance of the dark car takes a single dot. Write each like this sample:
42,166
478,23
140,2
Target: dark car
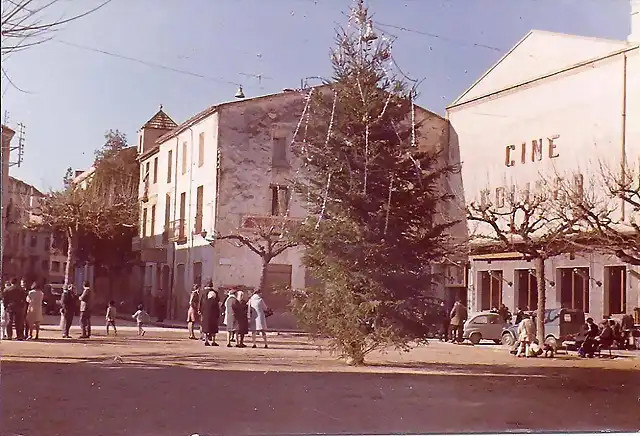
560,325
51,300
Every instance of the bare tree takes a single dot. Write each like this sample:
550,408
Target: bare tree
25,22
610,209
526,223
266,240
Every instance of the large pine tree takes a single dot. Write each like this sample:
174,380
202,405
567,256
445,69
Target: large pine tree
375,228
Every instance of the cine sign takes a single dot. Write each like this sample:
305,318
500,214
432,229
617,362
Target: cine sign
533,151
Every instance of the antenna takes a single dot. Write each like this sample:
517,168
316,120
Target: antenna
19,147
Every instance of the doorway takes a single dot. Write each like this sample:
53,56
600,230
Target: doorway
490,289
615,290
574,288
527,289
277,277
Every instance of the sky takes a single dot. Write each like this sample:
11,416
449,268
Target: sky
114,68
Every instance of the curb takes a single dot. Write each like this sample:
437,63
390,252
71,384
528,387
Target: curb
221,327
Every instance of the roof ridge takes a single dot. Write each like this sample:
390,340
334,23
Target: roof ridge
160,121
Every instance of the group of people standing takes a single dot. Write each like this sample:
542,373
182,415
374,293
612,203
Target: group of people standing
239,314
453,322
70,302
21,310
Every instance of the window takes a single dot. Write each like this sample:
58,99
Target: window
34,241
197,273
490,289
494,319
167,217
64,266
279,200
199,207
146,171
55,266
183,208
155,170
169,165
279,157
45,266
481,320
615,290
153,220
144,223
574,288
184,157
527,289
47,243
201,149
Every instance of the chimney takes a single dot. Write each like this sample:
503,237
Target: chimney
634,36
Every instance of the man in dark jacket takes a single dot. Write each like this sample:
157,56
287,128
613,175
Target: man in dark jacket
15,300
68,302
85,311
445,320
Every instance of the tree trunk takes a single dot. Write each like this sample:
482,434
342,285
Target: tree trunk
263,275
541,282
70,249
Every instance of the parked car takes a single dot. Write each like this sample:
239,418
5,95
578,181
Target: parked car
51,300
560,325
484,325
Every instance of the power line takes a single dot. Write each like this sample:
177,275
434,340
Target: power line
442,38
150,64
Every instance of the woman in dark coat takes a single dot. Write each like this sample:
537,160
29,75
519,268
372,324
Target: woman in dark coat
241,315
210,307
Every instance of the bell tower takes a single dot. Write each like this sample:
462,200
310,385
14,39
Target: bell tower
153,129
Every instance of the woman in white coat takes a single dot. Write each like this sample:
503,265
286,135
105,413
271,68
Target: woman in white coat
229,319
257,317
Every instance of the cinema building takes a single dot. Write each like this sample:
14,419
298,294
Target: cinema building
554,104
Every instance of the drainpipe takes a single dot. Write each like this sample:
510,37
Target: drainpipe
188,217
174,244
623,160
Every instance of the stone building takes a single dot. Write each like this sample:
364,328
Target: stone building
555,105
222,171
29,253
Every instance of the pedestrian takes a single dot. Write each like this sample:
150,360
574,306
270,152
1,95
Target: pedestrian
445,321
241,317
505,314
519,316
526,336
15,302
68,303
85,311
25,290
229,318
193,311
34,310
458,317
141,317
210,308
258,312
110,317
4,313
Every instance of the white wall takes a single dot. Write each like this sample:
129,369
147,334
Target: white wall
583,116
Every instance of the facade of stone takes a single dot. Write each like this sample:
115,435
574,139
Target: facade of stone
220,172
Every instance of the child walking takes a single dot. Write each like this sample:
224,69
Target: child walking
111,317
140,316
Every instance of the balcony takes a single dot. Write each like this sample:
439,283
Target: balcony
264,223
177,231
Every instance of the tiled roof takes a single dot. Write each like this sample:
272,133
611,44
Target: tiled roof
160,121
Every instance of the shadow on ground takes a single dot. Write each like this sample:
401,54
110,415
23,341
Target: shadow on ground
98,397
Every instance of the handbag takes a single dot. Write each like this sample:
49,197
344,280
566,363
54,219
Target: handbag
268,313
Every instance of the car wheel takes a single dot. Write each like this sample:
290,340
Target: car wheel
508,339
475,338
551,341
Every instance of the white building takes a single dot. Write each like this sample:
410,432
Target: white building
555,104
219,172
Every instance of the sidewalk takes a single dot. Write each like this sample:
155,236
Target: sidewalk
175,324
